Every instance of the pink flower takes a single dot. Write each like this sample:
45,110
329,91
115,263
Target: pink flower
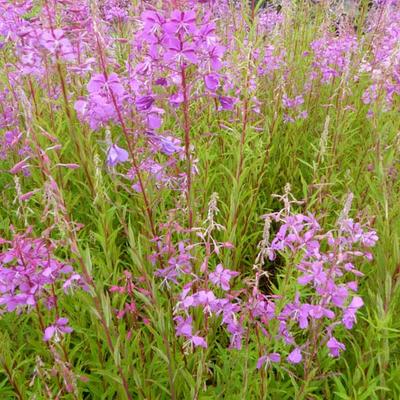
116,155
227,103
181,22
99,84
179,51
198,341
144,103
153,21
221,277
183,326
56,43
269,358
59,328
27,269
295,356
335,347
349,314
211,81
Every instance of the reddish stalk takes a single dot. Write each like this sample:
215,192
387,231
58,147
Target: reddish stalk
131,149
87,277
186,127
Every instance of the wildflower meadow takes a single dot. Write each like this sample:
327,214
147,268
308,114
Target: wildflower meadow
199,199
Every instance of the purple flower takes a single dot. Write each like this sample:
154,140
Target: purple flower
181,22
116,155
154,120
169,145
183,326
169,273
27,269
198,341
153,21
144,103
99,84
179,51
221,277
335,347
295,356
349,314
211,81
59,328
215,54
269,358
292,103
56,43
317,275
227,103
176,99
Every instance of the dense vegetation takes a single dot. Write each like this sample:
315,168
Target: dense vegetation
199,199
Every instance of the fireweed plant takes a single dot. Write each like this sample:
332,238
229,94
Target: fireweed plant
151,246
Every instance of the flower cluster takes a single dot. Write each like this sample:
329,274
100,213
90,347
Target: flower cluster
332,56
327,277
323,266
31,276
385,64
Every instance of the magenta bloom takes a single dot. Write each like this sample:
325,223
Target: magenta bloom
349,314
215,54
116,155
227,103
212,82
180,51
98,84
198,341
27,269
144,103
269,358
335,347
169,145
176,99
181,22
295,356
153,21
183,326
56,43
59,328
221,277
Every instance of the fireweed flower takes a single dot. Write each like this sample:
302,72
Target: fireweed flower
268,359
332,56
27,269
144,103
56,330
221,277
179,51
211,81
166,45
335,347
295,357
184,328
99,107
56,43
385,63
349,313
181,22
227,103
99,84
116,155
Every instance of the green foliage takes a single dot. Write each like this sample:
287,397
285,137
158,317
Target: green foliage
361,156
